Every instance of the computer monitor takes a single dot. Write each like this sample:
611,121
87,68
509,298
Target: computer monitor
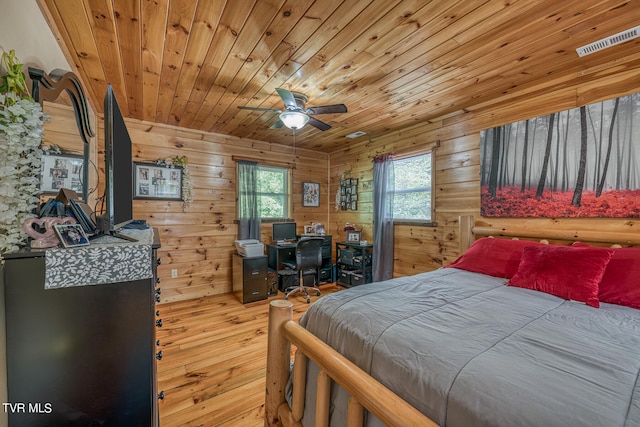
282,231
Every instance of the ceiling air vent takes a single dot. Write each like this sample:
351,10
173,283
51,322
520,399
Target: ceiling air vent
356,134
609,41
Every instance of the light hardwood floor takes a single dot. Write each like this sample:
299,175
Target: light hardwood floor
214,356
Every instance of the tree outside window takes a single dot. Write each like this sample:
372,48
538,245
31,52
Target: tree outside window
273,192
412,195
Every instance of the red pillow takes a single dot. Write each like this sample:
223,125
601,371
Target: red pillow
492,256
563,271
621,280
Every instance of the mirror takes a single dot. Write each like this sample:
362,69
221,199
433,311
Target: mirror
49,88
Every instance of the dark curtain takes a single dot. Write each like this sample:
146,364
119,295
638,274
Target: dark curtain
383,189
248,214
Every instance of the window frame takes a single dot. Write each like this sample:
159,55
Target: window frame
287,194
286,172
418,222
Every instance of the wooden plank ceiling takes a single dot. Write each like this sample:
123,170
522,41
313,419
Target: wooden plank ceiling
393,63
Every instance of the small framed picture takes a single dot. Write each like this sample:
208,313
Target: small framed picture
61,171
353,236
71,235
310,194
309,229
157,182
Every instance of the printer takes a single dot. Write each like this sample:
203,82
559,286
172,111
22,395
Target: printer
250,248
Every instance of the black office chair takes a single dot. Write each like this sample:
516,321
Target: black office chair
308,259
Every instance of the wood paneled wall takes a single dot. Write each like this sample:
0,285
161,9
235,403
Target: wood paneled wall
199,243
457,167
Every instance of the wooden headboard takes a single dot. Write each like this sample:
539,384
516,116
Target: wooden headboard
470,231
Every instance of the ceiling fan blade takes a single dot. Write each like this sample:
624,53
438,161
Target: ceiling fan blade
288,99
319,124
259,109
327,109
277,125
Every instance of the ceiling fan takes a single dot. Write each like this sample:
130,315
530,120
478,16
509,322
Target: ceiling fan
295,115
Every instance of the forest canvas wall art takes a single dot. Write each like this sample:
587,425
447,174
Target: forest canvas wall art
581,162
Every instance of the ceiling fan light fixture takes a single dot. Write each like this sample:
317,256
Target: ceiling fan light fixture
294,119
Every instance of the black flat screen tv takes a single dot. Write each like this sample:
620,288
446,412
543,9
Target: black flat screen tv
283,231
118,169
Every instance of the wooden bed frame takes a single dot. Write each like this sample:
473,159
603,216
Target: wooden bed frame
366,392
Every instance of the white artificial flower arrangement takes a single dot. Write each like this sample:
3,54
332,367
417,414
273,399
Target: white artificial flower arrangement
187,184
21,126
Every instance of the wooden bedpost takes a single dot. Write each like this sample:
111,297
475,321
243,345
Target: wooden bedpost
465,225
278,360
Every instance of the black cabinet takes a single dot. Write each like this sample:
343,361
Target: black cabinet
325,272
354,264
277,254
250,278
81,355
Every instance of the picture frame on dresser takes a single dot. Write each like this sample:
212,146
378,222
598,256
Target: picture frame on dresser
71,235
354,236
154,182
319,229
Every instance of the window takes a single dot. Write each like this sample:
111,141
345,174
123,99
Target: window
412,195
273,192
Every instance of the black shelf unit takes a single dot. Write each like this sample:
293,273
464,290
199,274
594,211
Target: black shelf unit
354,263
325,272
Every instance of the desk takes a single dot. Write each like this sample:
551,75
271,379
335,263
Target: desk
276,254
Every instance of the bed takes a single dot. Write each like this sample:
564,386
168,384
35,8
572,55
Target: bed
456,347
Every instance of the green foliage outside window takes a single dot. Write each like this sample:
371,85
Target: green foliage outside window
273,192
412,196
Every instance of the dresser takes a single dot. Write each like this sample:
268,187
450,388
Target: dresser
83,354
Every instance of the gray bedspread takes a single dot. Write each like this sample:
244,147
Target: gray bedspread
467,350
